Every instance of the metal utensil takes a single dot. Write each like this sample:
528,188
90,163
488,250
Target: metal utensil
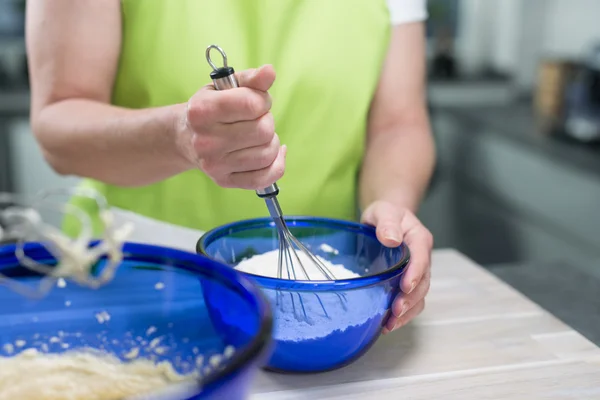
224,79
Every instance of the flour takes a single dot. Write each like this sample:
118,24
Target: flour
356,307
102,317
150,331
328,249
266,264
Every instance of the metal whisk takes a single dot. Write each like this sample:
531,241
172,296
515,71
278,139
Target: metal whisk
223,79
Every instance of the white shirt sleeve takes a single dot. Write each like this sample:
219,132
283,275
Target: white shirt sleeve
404,11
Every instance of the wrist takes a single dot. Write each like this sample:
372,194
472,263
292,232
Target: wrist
401,196
181,136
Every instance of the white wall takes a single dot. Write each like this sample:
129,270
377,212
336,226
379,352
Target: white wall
529,43
472,46
512,35
490,34
571,26
506,29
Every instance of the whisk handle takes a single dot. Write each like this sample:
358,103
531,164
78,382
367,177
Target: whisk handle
223,79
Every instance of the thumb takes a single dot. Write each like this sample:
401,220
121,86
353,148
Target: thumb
258,79
387,221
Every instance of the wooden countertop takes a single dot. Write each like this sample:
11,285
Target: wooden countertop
477,339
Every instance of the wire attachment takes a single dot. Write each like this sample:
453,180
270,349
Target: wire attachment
77,259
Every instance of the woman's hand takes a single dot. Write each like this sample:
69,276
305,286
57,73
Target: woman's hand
230,134
395,225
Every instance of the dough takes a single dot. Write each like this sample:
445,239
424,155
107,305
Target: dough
82,375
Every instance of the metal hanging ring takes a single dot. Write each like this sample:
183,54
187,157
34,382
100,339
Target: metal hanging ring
220,50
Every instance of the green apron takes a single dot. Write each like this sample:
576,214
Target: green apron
328,56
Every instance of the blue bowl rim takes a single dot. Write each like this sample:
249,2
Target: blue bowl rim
202,265
307,285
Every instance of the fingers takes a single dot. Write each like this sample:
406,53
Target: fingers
246,103
420,243
210,107
393,227
253,100
260,79
233,133
241,135
390,224
245,160
222,139
402,308
255,158
394,323
386,218
404,302
260,179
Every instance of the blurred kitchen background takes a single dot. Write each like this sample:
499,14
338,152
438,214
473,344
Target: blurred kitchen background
514,91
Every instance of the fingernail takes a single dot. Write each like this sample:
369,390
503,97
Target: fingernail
404,308
412,287
385,331
399,324
392,235
395,312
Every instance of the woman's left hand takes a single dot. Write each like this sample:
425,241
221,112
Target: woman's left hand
394,225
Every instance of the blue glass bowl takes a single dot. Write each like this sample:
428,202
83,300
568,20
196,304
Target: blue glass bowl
196,305
356,309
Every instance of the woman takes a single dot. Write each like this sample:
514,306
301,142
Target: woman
115,99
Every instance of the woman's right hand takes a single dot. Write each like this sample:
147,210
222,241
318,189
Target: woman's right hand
230,135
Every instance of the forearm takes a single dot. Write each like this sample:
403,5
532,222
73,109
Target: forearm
400,154
398,164
115,145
